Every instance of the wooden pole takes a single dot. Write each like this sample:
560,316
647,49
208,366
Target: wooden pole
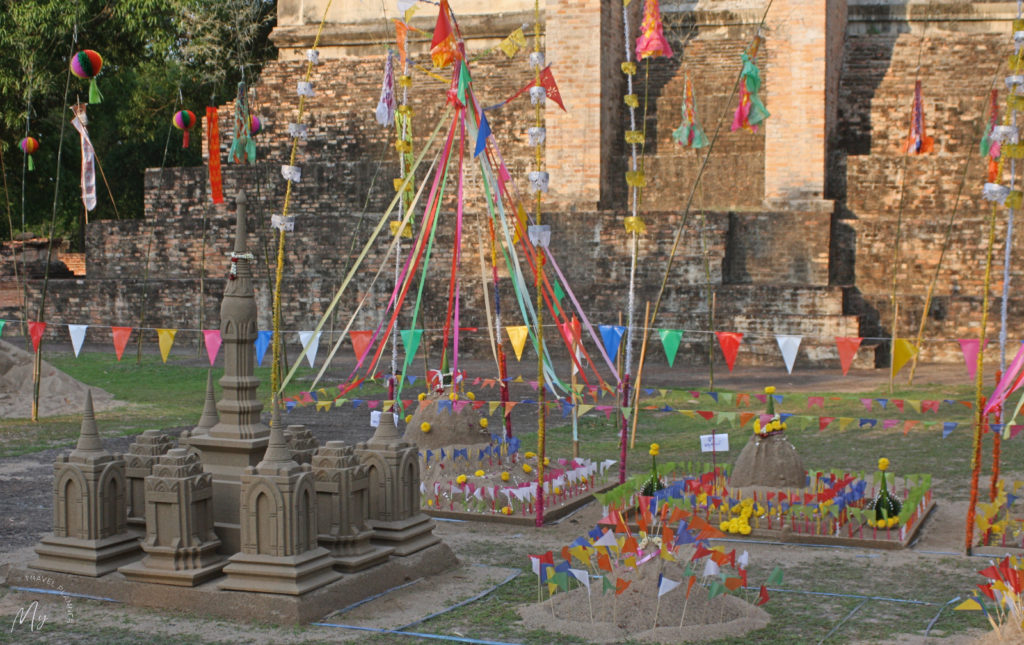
639,374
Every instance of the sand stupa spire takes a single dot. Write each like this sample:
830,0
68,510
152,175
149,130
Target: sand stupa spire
89,437
209,417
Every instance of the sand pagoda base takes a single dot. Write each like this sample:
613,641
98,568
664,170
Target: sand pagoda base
770,461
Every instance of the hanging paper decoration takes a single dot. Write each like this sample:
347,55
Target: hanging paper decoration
165,339
847,351
35,332
651,43
121,335
517,335
213,150
751,110
184,120
670,343
255,125
789,346
990,146
243,147
262,342
442,46
86,64
918,142
29,145
385,111
689,134
970,348
77,333
212,340
411,342
360,342
513,42
611,335
80,121
311,341
729,341
903,351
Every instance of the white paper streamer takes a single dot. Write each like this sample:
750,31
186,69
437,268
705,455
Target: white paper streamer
385,111
292,173
305,88
1005,134
299,130
540,235
538,180
313,56
537,59
537,95
283,223
80,121
537,135
995,192
1016,79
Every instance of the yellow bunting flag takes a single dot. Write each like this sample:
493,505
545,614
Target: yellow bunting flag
903,350
968,605
321,406
583,408
492,406
844,423
166,339
518,337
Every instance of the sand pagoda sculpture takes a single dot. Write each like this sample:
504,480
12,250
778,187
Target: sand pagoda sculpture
768,459
241,505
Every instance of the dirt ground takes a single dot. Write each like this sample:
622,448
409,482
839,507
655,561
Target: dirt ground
26,515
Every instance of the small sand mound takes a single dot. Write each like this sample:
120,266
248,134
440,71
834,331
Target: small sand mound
630,616
58,392
768,461
447,427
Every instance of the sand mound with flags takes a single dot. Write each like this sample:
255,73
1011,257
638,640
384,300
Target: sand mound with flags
450,423
58,393
606,617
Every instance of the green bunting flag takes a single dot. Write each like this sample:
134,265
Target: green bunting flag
411,342
670,342
606,586
716,588
775,578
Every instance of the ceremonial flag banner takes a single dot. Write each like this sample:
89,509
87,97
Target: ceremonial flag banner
77,333
847,351
212,340
120,335
670,339
311,343
730,343
35,332
165,339
262,342
517,335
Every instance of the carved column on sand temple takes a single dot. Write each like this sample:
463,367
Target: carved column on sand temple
180,544
279,551
237,442
393,469
90,535
341,491
142,456
301,443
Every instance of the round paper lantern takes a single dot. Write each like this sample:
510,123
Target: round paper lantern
87,64
255,125
184,120
29,145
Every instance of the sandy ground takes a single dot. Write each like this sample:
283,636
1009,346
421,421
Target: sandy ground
58,392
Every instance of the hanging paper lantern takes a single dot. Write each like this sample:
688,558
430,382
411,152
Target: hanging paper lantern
87,64
255,125
29,145
184,120
651,43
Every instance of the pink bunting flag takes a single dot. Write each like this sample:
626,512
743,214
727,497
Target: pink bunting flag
212,340
729,341
121,335
969,347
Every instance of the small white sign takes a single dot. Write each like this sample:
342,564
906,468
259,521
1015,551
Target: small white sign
374,418
714,442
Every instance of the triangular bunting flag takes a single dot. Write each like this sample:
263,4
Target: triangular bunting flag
969,347
311,343
165,338
729,341
35,332
262,342
77,333
411,343
670,343
360,343
612,336
212,339
517,335
847,350
903,350
120,335
788,345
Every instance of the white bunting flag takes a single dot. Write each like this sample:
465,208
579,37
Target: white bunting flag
77,333
583,577
710,568
665,585
305,337
789,346
607,540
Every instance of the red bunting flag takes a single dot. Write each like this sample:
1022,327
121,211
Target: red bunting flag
213,147
121,335
729,341
35,331
762,596
847,350
547,81
442,46
360,342
824,421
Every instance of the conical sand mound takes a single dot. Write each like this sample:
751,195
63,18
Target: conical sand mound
447,427
58,392
631,615
768,461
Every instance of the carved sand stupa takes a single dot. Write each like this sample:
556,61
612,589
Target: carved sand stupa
180,544
239,439
768,459
90,529
142,456
393,469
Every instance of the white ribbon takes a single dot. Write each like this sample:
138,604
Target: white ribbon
537,95
995,192
540,235
299,130
305,88
292,173
537,135
385,111
1005,134
80,120
283,223
313,56
538,179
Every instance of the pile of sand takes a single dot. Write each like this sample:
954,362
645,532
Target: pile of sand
58,392
447,427
630,616
768,461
